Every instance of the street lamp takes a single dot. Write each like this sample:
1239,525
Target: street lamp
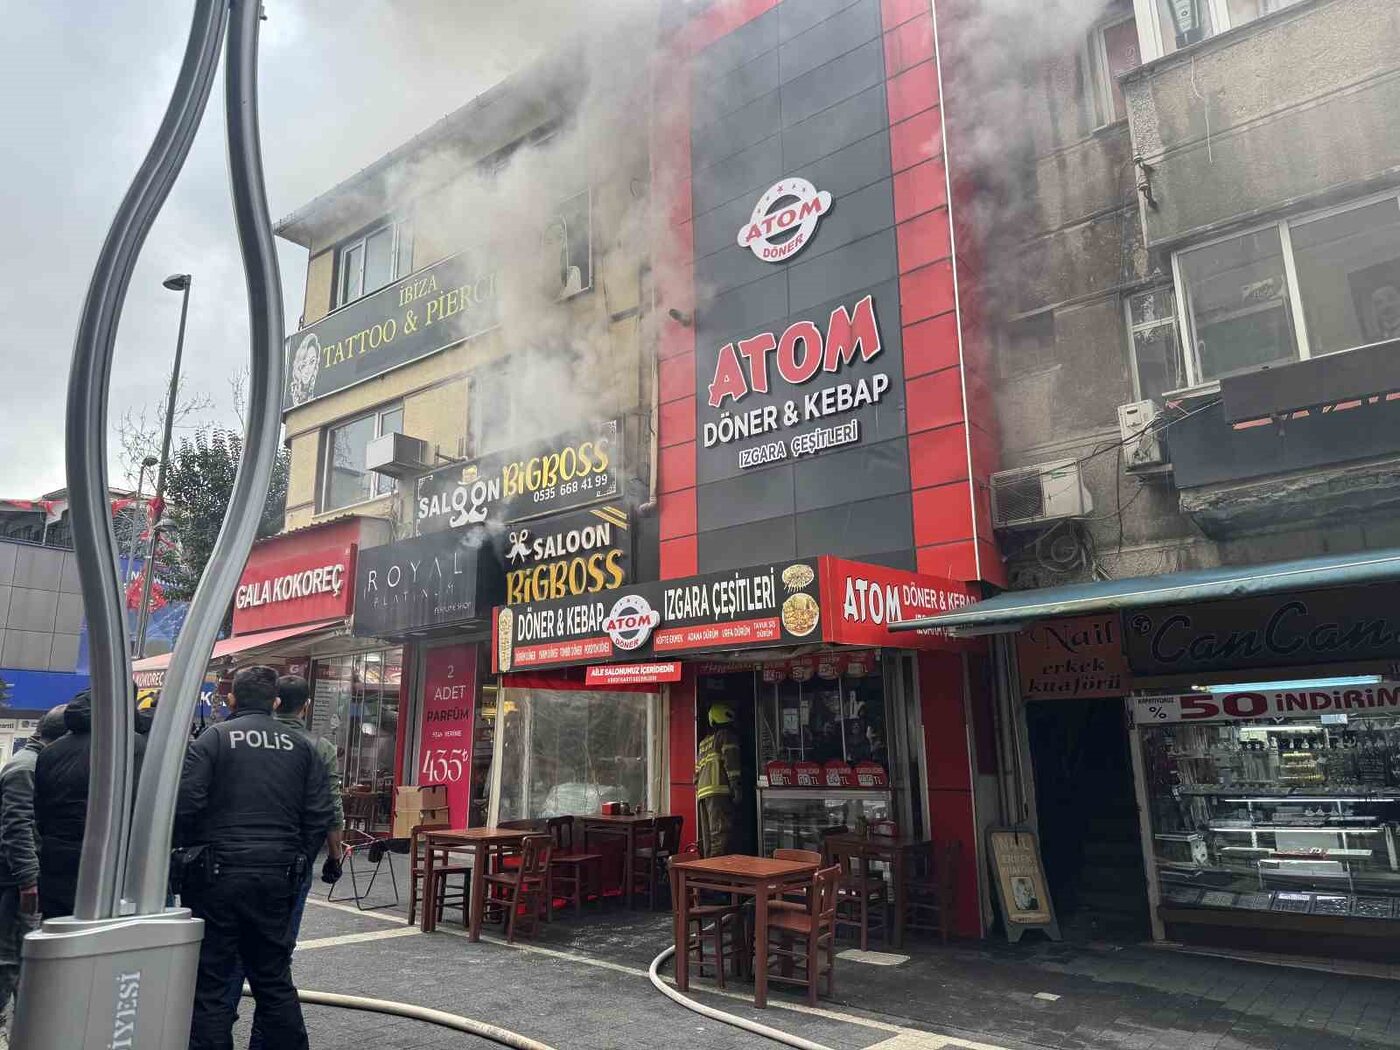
176,282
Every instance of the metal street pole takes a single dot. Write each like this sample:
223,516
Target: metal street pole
179,282
120,972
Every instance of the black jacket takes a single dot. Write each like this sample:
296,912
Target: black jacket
60,804
19,853
256,791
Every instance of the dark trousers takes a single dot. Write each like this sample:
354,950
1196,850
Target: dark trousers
247,918
716,822
13,926
258,1039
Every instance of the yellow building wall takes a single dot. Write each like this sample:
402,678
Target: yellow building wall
434,389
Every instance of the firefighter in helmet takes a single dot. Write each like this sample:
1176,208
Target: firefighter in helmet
717,787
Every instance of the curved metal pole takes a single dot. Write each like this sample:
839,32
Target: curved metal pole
94,544
160,777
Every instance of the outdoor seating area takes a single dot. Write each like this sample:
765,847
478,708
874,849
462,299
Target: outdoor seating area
777,919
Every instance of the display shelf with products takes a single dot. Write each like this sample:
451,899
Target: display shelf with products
1276,821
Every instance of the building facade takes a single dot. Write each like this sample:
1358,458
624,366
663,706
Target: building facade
1210,240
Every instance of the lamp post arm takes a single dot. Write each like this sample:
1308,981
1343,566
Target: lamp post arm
103,862
160,774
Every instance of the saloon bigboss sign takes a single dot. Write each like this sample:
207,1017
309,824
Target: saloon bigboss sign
570,470
806,600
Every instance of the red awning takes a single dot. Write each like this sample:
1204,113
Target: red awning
241,642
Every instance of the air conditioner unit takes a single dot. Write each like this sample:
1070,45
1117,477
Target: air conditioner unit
1142,444
397,456
1034,495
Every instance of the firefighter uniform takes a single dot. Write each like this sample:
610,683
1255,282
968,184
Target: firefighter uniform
717,782
255,805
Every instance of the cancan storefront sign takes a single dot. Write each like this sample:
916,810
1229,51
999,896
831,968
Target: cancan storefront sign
1383,697
568,471
571,554
1316,627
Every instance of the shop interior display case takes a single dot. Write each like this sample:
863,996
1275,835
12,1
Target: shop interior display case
1263,822
825,725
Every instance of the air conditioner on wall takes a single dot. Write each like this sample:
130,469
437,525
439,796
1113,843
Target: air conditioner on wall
1047,492
1142,444
397,456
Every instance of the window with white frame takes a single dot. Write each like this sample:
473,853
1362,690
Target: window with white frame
1113,50
1169,25
372,260
1156,350
490,416
1294,289
345,481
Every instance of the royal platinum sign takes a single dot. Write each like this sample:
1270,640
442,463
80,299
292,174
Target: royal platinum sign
784,220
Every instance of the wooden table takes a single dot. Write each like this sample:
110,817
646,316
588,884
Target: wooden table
603,824
891,850
479,842
758,877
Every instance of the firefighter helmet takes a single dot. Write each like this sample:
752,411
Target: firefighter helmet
721,714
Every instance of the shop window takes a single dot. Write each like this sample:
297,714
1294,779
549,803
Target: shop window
1291,817
345,481
1304,287
355,705
1113,50
1169,25
561,752
1156,350
370,262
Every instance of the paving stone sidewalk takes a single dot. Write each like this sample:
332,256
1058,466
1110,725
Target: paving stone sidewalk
581,984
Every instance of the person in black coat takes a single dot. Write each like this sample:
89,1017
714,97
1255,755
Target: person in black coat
60,805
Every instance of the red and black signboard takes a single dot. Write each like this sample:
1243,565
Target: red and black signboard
805,601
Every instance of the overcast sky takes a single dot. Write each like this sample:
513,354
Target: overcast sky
83,85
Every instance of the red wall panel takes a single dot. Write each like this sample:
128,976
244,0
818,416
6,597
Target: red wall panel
924,240
915,140
677,422
678,514
935,400
679,557
676,379
927,292
919,189
676,468
913,91
943,514
909,44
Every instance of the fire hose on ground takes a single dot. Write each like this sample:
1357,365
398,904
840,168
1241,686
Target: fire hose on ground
441,1018
776,1034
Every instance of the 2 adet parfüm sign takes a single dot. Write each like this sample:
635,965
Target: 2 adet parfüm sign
784,220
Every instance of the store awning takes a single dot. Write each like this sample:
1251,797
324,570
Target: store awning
1010,611
240,643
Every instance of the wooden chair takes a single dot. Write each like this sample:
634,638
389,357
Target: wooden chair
807,936
930,890
439,893
861,898
575,875
796,900
650,865
723,926
523,891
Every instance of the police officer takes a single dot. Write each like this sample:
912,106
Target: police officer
254,808
717,781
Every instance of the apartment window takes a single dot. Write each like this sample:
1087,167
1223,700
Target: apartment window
1295,289
345,479
1156,350
370,262
490,415
1113,50
1169,25
1028,345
